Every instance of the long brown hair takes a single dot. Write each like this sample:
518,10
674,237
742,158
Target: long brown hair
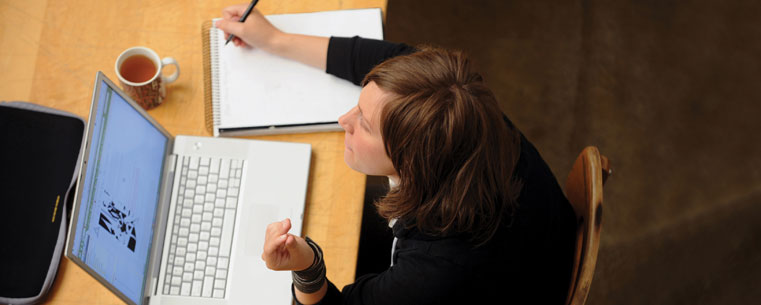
446,138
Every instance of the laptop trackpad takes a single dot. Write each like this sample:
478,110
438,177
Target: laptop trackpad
250,279
260,216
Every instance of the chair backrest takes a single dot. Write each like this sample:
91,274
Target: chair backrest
584,191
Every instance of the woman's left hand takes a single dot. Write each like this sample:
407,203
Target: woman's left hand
283,251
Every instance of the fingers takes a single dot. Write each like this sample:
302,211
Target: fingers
287,252
290,241
276,234
284,251
234,11
278,229
286,224
275,251
230,27
278,243
231,15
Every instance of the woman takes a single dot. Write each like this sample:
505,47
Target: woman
476,213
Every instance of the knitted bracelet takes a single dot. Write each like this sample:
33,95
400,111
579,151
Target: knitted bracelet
311,279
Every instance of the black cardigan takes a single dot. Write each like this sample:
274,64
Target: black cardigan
528,261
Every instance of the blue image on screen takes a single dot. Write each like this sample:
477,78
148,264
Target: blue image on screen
120,194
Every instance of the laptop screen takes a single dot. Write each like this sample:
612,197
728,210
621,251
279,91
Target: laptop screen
120,194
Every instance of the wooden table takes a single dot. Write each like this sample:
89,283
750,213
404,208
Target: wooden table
50,51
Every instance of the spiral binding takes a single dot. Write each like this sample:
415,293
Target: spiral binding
210,78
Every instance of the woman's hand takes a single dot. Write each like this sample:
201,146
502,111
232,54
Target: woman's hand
256,31
283,251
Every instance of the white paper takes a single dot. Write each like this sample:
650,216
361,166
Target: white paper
261,89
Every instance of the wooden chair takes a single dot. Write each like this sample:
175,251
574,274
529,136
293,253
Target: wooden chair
584,191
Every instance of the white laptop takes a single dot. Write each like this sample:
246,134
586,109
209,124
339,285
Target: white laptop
180,220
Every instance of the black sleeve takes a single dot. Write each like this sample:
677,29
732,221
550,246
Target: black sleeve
416,278
352,58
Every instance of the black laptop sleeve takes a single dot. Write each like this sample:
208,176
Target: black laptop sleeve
39,162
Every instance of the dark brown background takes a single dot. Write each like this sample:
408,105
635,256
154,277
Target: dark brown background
669,90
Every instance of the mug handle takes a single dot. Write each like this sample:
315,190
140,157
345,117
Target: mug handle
170,61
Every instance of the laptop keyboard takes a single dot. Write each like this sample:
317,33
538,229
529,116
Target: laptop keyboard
199,250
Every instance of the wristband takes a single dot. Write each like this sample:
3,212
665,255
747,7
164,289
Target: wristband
311,279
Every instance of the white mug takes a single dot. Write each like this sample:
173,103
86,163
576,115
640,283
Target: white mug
145,84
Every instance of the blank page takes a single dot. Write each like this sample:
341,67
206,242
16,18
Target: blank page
260,89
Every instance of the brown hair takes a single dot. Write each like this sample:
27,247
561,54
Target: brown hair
446,138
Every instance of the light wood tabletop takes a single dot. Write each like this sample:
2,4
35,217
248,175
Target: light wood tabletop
51,50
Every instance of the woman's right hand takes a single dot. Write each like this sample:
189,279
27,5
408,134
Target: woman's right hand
256,31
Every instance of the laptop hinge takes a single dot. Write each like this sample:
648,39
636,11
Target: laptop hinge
167,186
168,182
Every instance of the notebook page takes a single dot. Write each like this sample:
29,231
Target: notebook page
261,89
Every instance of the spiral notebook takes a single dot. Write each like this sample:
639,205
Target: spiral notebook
248,91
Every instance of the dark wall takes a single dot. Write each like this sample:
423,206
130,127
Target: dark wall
668,90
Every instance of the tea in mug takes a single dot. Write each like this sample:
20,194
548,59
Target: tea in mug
137,69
